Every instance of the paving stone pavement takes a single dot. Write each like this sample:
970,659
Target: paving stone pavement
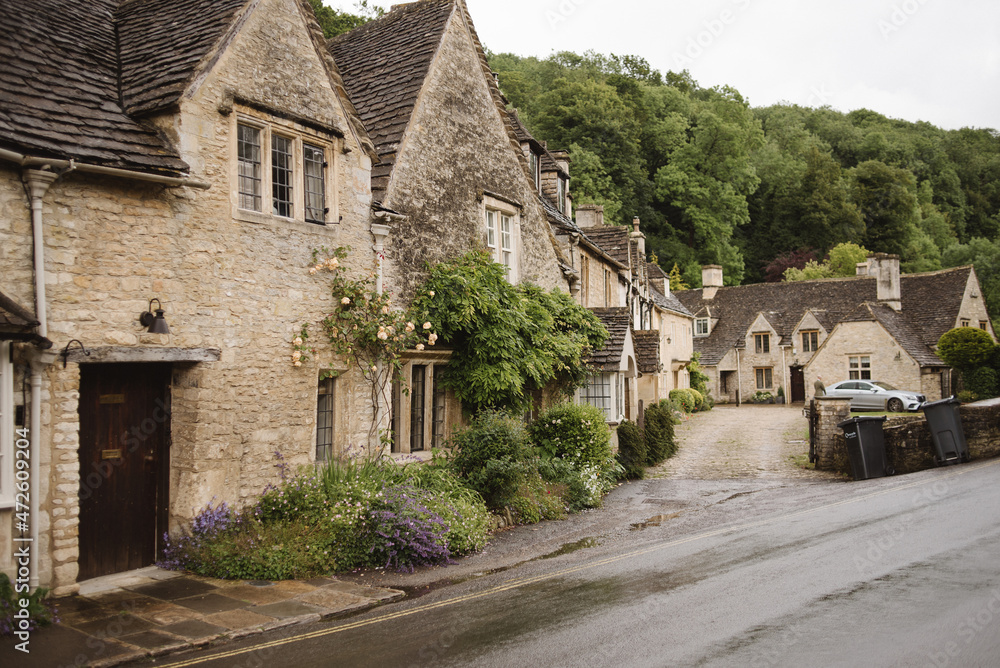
152,612
749,441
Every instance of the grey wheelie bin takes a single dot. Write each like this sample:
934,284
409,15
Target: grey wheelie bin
946,430
866,446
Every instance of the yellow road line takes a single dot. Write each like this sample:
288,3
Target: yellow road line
521,582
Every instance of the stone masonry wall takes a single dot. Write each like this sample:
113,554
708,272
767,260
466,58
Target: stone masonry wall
456,147
237,285
908,442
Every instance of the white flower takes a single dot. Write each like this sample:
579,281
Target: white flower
313,270
432,338
420,346
296,355
345,300
382,335
296,363
431,293
427,325
409,327
297,340
385,309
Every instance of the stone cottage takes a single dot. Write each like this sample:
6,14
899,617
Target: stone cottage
878,324
166,169
450,175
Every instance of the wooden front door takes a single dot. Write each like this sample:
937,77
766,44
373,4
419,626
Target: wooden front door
124,465
797,384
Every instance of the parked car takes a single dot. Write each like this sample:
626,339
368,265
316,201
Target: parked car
876,395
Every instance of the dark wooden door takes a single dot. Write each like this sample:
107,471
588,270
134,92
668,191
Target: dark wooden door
124,465
797,384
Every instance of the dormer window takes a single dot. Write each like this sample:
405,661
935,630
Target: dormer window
534,164
701,327
561,194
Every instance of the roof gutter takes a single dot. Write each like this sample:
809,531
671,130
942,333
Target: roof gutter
72,165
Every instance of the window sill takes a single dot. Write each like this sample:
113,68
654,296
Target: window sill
257,218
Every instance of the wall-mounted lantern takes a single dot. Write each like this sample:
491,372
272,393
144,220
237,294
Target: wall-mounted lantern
155,324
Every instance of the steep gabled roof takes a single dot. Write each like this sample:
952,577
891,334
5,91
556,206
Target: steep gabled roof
59,93
384,64
647,349
617,322
669,302
930,307
613,240
933,299
162,44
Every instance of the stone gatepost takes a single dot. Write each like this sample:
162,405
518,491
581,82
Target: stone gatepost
831,411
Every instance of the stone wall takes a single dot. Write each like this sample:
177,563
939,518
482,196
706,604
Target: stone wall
237,283
908,442
457,148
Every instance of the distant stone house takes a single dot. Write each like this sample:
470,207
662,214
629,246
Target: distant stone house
450,172
878,324
187,156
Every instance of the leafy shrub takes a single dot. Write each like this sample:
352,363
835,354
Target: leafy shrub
984,382
659,427
965,347
41,612
632,450
761,397
494,456
575,432
684,399
408,533
535,500
699,399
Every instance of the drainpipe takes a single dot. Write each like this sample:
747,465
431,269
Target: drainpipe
784,374
380,232
38,183
739,378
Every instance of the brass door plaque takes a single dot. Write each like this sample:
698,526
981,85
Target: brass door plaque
111,399
111,454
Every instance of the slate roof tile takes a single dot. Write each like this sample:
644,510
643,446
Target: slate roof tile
617,322
383,64
613,240
647,350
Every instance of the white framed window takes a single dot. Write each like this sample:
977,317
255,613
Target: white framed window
8,436
325,419
286,165
535,167
701,327
764,377
503,234
859,367
561,194
600,392
810,341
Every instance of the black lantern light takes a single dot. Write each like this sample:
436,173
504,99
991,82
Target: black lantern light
156,324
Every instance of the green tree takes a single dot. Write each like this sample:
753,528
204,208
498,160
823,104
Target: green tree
966,348
887,199
334,21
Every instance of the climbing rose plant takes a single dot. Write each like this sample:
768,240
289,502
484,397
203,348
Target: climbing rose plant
365,329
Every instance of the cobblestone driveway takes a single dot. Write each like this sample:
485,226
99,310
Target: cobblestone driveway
749,441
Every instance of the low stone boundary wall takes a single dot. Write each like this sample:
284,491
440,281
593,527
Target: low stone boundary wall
908,443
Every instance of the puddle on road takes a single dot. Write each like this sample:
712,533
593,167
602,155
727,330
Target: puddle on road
653,521
581,544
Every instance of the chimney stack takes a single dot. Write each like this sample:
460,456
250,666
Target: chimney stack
885,268
711,280
590,215
639,238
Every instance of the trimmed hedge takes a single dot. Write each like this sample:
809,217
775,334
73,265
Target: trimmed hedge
659,426
632,450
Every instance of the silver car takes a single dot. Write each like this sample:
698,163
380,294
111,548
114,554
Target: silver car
876,395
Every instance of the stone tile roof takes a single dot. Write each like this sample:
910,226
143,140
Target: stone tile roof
384,64
59,88
617,322
669,302
900,327
16,322
933,299
162,44
930,306
613,240
647,350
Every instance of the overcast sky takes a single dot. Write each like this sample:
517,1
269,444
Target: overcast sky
930,60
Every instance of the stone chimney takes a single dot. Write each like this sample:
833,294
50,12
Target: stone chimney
711,280
861,269
885,269
562,159
639,238
590,215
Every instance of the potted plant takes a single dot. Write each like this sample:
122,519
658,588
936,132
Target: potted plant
781,395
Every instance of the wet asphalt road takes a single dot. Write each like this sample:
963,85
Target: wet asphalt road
892,572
